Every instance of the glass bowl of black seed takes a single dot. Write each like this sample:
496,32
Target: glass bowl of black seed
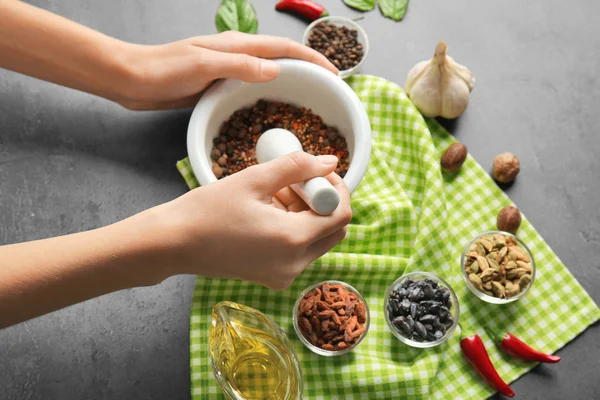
421,309
343,41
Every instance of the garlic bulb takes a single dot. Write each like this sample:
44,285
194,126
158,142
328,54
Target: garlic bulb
440,87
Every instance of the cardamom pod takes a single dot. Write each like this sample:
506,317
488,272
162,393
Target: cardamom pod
502,272
475,280
511,265
493,255
493,264
524,281
499,241
487,286
512,255
483,264
487,275
468,269
501,254
486,244
488,292
524,265
521,254
511,241
475,267
481,250
516,273
498,290
511,289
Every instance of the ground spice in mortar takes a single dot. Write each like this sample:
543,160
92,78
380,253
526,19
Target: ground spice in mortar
331,317
234,147
338,43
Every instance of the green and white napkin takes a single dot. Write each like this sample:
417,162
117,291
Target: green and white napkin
408,216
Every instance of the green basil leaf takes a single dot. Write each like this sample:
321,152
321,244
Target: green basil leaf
236,15
362,5
394,9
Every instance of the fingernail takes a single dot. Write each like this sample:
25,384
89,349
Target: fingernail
269,68
328,159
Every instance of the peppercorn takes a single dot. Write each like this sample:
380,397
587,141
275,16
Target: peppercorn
338,43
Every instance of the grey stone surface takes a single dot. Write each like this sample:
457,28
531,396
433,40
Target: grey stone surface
71,162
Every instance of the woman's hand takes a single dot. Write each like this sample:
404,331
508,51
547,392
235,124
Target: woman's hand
136,76
236,228
175,74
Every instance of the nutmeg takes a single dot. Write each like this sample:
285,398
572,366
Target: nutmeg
454,157
506,167
509,219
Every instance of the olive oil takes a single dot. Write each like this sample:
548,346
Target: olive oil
252,358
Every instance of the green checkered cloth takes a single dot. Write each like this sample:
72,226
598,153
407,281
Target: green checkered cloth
408,216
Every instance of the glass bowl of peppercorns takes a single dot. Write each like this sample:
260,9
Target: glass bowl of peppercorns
343,41
421,309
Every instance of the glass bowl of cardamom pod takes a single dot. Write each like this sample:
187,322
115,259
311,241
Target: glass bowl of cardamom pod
498,267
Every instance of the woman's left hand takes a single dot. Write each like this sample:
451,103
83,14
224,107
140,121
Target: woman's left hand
175,74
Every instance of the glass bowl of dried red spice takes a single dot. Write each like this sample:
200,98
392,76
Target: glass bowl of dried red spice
498,267
343,41
421,309
331,318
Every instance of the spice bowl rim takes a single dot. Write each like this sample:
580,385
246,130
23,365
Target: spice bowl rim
355,25
455,312
487,298
318,350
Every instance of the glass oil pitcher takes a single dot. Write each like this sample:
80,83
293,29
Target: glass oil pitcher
252,358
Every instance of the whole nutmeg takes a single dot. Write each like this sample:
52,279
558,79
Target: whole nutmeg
454,157
506,167
509,219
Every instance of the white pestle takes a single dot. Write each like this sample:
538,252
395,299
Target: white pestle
318,193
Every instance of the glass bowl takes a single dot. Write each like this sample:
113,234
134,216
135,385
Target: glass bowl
419,276
361,38
483,296
318,350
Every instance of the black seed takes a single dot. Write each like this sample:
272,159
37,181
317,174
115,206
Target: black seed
410,322
430,336
415,295
402,293
432,282
428,327
427,319
420,330
438,335
449,303
444,314
428,292
438,325
402,325
449,323
407,283
413,310
421,311
405,305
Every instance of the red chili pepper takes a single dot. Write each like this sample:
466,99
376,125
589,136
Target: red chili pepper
517,348
477,355
307,9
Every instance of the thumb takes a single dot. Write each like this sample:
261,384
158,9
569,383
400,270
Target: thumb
244,67
295,167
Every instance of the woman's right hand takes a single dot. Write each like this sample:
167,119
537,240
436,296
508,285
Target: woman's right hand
251,226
